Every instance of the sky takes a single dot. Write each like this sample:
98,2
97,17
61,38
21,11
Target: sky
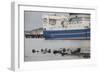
32,20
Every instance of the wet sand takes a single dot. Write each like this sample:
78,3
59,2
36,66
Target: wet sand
38,44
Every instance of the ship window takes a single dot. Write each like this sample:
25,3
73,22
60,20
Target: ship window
86,27
45,20
52,21
62,23
76,20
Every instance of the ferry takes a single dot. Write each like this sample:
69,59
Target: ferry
66,26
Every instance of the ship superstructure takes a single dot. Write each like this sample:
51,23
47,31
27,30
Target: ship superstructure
66,26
